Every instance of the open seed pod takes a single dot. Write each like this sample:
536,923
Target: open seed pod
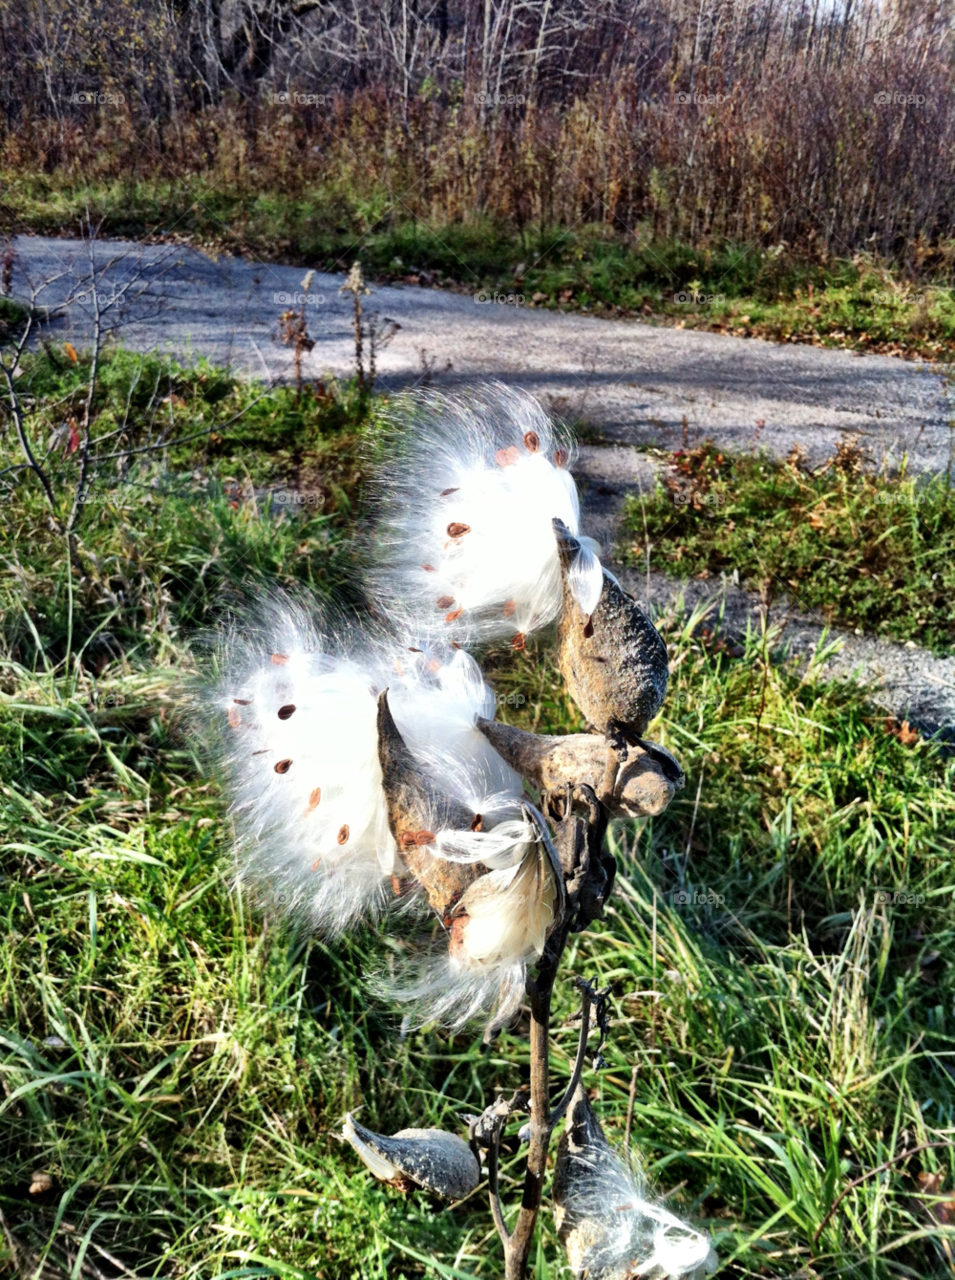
605,1221
430,1158
645,783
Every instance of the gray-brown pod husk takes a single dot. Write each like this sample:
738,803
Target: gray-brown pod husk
609,1227
614,661
644,786
430,1158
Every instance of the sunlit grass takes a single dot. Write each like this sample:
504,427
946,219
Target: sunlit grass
777,951
869,550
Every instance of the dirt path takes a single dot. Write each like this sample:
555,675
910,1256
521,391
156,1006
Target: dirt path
635,382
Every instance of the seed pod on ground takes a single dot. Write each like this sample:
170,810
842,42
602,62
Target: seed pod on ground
430,1158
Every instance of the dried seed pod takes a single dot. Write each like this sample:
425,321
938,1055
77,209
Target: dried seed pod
433,1159
416,807
613,659
609,1227
646,781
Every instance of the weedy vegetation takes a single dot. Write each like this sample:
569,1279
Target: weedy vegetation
868,550
174,1068
708,164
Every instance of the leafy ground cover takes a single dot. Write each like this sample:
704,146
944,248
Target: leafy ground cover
743,289
871,551
174,1068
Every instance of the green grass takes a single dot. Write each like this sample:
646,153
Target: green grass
744,289
870,551
164,533
179,1067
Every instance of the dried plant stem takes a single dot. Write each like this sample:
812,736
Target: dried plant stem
578,840
517,1245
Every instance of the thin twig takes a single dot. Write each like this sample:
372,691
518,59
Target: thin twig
81,484
586,998
870,1173
494,1192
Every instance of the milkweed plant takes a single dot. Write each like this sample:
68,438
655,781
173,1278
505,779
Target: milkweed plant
371,786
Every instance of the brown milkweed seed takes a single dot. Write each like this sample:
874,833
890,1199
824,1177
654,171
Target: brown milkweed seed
242,702
317,863
429,568
283,766
287,711
477,822
424,837
315,798
279,659
519,641
458,925
531,441
453,616
235,718
589,627
412,649
445,602
446,493
458,530
407,839
343,833
507,457
560,457
509,607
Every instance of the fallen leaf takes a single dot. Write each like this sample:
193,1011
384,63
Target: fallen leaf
905,734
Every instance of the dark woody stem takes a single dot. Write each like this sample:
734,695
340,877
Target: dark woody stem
517,1245
579,839
586,999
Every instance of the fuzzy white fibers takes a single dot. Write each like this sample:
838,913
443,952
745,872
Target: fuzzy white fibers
300,747
506,916
464,540
298,708
617,1232
436,694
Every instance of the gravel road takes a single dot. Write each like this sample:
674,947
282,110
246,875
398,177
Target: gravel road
634,382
